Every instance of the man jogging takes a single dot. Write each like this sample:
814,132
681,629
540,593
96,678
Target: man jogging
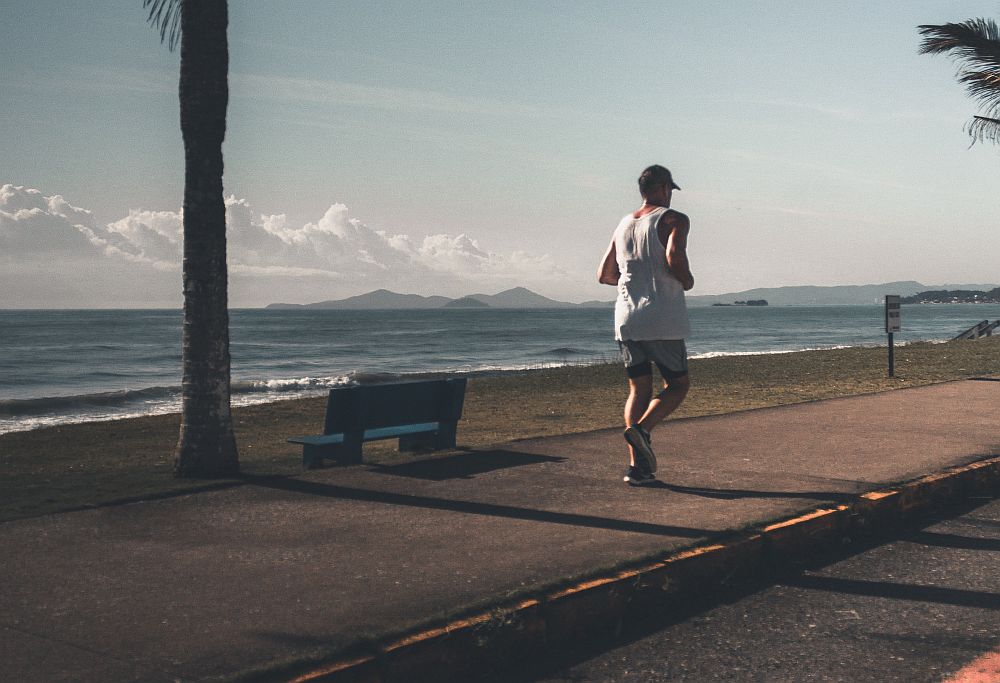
647,261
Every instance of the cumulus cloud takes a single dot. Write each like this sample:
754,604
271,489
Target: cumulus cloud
32,225
337,246
463,255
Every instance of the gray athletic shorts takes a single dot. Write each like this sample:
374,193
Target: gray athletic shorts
670,356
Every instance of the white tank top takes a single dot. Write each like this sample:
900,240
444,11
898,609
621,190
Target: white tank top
650,301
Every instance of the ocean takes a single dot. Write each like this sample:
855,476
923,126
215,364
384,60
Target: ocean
59,367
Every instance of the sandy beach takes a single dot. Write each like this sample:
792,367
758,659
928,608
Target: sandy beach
67,467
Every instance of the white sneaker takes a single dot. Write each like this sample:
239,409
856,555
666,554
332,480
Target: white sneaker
638,438
635,476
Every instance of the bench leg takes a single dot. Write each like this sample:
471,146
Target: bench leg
430,441
446,435
312,456
411,443
347,453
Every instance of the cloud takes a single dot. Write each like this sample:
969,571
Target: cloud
463,255
153,237
32,225
336,248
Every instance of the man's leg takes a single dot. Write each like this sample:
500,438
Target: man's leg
667,401
640,390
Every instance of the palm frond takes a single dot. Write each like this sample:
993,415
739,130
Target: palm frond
984,128
985,87
975,45
166,16
976,41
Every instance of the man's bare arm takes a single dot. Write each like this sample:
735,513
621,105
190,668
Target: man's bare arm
607,272
677,259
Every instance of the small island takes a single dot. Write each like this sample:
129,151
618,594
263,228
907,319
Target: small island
750,302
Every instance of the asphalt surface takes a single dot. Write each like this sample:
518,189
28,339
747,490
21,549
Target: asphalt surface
916,609
205,586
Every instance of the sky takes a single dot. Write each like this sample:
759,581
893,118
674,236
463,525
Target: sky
467,147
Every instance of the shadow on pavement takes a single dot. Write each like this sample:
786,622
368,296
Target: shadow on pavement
897,591
463,465
952,541
729,494
473,507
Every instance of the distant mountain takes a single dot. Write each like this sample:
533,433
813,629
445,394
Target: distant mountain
467,302
843,295
519,297
380,298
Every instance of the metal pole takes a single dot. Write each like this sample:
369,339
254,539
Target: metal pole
891,369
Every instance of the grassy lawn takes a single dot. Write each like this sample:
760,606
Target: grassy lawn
61,468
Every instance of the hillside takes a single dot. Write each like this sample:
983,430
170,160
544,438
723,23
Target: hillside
519,297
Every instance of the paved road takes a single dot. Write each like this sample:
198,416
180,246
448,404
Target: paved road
917,609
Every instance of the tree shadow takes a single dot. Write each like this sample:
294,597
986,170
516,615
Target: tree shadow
474,507
463,465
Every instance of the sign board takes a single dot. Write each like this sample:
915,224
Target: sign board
892,320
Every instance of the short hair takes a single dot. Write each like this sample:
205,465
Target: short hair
653,177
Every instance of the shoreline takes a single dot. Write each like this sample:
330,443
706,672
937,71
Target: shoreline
78,465
126,404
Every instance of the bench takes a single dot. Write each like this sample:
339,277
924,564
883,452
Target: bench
423,415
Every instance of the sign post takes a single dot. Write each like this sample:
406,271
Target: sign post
892,324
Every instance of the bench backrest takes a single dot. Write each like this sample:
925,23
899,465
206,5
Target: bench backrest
386,405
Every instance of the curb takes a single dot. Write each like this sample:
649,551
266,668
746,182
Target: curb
521,629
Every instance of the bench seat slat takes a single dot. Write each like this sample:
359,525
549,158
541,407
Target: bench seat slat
390,432
370,434
318,440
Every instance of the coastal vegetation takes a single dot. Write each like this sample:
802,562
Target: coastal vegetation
83,465
954,296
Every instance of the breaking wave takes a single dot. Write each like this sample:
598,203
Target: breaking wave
109,399
32,413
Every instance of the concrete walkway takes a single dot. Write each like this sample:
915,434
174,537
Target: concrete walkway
211,585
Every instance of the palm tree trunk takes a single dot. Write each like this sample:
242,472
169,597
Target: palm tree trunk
206,446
